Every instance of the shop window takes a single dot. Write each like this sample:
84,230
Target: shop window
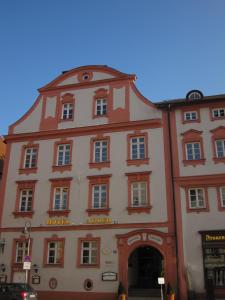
25,199
29,158
59,199
214,265
89,252
100,153
62,156
98,202
192,143
138,193
54,252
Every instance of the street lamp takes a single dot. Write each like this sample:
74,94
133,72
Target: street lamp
26,231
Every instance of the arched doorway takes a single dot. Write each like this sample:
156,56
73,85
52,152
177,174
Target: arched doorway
145,265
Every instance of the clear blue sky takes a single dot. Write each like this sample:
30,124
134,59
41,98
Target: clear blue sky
172,46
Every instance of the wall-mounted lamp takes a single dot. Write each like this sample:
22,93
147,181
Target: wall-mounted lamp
2,245
35,268
2,268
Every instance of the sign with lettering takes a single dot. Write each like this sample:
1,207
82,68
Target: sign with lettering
215,237
26,265
58,221
109,276
101,220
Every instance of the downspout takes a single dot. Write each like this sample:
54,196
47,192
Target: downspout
173,194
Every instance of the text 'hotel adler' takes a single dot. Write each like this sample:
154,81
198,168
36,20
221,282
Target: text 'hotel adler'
101,186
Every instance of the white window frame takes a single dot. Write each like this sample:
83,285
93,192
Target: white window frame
67,111
63,193
99,197
30,158
90,251
223,148
101,107
54,252
194,152
139,144
21,251
199,198
190,115
218,112
222,196
26,199
100,149
63,155
139,195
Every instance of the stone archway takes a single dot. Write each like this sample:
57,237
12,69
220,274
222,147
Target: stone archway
145,265
163,243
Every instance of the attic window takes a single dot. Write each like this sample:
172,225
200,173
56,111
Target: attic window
85,76
194,95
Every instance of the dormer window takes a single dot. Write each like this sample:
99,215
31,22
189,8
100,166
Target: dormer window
194,95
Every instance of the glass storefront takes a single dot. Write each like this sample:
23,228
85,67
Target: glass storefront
213,247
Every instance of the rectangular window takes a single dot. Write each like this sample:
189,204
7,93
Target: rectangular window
220,148
21,251
60,198
218,113
222,196
138,148
55,252
30,160
26,198
190,115
89,252
100,151
139,194
101,107
193,151
63,154
99,196
196,198
67,111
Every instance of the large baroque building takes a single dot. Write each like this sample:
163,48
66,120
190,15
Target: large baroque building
103,186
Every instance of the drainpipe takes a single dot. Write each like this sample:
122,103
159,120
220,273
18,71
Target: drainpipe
168,109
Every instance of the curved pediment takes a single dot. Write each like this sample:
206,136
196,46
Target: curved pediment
86,75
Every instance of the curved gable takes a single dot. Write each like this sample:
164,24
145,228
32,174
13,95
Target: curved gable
86,75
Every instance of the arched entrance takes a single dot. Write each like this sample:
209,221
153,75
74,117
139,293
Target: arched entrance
145,265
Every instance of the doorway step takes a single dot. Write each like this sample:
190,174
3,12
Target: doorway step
144,294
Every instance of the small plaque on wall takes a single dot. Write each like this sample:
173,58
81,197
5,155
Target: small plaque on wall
109,276
36,279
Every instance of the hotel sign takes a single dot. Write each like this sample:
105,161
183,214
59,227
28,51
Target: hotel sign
58,221
101,220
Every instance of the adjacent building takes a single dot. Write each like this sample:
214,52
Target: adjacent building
198,156
101,186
